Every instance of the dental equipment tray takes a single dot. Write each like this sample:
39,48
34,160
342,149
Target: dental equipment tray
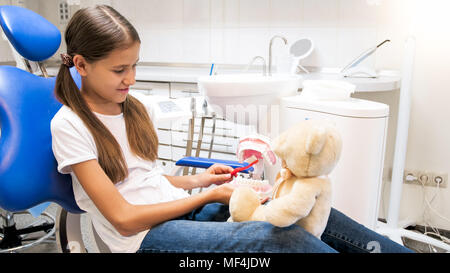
201,162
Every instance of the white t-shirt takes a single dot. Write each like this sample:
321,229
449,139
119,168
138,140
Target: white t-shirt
73,143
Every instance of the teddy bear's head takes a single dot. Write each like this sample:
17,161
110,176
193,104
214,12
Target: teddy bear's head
309,148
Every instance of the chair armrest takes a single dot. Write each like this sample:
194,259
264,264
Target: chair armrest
204,163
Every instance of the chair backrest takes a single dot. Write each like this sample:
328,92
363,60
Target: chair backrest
28,169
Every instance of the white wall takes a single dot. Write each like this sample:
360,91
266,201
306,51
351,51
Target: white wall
233,31
428,144
429,130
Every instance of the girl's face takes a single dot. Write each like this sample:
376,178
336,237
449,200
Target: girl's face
105,83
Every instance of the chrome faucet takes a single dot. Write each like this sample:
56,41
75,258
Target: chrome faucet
253,60
270,51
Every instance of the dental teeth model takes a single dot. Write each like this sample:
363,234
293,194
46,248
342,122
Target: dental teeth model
262,187
257,146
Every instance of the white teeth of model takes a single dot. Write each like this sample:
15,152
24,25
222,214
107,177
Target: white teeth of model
256,143
251,182
266,156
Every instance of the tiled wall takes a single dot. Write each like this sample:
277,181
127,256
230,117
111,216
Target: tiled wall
233,31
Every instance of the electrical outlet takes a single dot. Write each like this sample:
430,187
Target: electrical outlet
20,3
63,12
425,178
410,177
439,178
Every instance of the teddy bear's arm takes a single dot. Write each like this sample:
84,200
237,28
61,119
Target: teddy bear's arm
288,209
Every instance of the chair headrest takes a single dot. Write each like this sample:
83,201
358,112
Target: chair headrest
33,36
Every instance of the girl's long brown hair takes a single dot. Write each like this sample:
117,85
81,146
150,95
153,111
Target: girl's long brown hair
94,33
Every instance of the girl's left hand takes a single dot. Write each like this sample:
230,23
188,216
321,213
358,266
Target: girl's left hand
216,174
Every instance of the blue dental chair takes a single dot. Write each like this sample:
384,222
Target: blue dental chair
28,169
28,175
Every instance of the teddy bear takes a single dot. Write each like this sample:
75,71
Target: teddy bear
302,195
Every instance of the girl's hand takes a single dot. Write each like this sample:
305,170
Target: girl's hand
216,174
265,199
222,193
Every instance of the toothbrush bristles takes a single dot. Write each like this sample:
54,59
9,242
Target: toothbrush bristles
251,159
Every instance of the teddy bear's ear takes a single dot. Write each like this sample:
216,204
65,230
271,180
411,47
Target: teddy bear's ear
316,140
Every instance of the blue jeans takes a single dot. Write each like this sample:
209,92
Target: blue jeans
206,230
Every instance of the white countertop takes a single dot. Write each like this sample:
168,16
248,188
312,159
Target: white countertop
388,81
382,83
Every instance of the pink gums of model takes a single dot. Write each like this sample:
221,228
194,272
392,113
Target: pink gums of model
258,147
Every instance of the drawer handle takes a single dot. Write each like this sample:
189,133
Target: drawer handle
208,143
165,159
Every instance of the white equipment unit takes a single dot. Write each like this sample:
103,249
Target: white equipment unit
357,178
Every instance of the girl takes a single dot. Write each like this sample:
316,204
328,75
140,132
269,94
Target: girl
105,139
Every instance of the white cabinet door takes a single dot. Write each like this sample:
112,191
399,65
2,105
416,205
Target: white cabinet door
151,88
181,90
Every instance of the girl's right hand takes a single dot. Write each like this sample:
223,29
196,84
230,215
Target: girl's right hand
222,193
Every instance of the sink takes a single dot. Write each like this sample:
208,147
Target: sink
250,99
